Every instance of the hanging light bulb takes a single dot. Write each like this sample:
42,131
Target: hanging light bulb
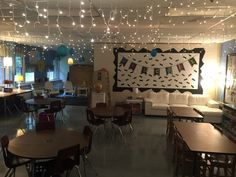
70,61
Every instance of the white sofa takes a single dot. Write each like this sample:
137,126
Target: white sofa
156,103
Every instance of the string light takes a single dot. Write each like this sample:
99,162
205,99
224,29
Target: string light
123,24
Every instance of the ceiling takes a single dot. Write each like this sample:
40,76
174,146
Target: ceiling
51,22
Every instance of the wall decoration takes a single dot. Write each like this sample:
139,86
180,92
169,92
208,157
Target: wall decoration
230,83
169,70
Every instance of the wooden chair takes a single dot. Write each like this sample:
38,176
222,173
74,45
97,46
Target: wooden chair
11,161
221,165
170,126
184,160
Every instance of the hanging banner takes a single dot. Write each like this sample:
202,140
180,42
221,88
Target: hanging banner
181,67
132,66
156,72
144,70
192,61
123,61
168,70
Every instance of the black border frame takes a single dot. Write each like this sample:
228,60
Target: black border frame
201,51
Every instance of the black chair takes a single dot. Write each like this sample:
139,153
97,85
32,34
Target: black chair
87,149
29,110
67,159
11,161
125,119
93,121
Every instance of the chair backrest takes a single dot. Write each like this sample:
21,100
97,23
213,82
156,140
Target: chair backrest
101,105
70,153
55,105
90,116
46,121
48,85
68,85
4,144
88,132
127,113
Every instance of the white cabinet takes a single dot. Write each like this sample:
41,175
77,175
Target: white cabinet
98,98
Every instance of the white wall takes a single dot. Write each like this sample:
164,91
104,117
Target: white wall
105,58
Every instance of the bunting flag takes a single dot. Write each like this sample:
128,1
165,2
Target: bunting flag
180,67
144,70
123,61
132,66
192,61
156,71
168,70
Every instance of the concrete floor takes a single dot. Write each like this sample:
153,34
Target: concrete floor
142,153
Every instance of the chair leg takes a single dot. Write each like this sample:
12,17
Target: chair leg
90,164
131,127
9,171
78,171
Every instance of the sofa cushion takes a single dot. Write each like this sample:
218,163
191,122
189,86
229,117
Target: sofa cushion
197,99
179,105
178,98
159,97
159,106
207,111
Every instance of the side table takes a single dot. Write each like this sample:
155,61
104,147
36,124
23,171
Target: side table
136,104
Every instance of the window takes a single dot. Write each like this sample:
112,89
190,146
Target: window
50,75
29,76
2,74
18,65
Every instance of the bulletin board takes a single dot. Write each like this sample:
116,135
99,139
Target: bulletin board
230,82
169,70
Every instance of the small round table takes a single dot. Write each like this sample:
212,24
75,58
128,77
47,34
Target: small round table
45,144
41,101
108,112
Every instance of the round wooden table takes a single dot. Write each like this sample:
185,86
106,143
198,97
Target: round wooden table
41,101
45,144
108,111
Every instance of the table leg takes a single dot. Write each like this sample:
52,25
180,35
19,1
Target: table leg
5,106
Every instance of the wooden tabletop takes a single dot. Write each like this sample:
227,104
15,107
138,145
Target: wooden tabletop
14,92
203,137
41,101
45,144
185,113
108,111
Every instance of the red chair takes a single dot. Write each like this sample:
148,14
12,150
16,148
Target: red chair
46,121
55,107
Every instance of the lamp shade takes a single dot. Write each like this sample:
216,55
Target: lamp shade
19,78
70,61
7,61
